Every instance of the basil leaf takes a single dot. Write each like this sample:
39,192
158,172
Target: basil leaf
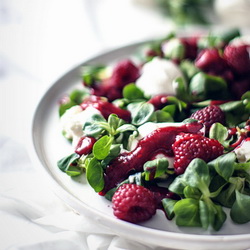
141,112
240,210
132,92
187,213
101,147
94,174
64,163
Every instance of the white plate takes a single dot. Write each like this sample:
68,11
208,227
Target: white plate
49,146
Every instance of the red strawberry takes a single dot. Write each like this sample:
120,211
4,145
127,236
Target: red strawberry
133,203
211,62
238,58
190,146
159,101
209,115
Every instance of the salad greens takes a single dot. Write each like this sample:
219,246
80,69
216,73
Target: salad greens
205,188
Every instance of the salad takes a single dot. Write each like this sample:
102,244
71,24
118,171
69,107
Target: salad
168,129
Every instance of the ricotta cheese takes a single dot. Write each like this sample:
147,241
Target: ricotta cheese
157,77
243,151
72,122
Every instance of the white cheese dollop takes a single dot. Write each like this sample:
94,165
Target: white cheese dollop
72,122
157,77
243,151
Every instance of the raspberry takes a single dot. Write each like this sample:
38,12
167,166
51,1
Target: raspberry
209,115
190,146
133,203
238,58
124,72
106,108
191,48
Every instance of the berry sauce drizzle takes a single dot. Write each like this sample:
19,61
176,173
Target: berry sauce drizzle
159,140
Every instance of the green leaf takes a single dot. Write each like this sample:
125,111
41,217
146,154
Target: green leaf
94,174
189,70
219,133
170,109
178,185
162,116
64,106
101,147
132,92
141,112
155,168
224,165
168,205
220,218
240,210
92,125
205,215
187,213
126,127
174,49
77,95
191,192
92,73
197,175
73,171
114,151
204,86
64,163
